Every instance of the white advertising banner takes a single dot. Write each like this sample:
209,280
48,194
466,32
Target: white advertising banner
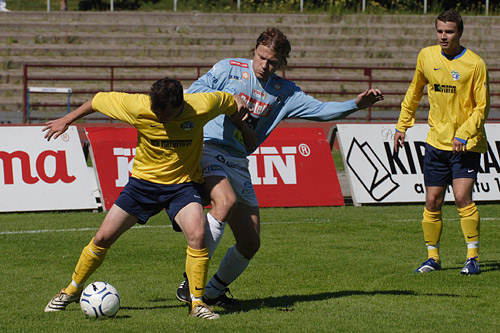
378,175
37,175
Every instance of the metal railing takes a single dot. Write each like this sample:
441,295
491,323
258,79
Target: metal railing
323,82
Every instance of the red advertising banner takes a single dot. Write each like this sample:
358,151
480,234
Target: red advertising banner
113,151
292,168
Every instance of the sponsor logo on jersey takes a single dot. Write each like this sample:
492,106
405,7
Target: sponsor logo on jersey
234,77
455,75
187,125
259,93
171,143
277,86
239,64
443,88
256,107
245,75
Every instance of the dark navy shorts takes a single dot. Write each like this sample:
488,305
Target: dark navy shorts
442,166
144,199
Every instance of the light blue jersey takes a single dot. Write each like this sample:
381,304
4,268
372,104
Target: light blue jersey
278,99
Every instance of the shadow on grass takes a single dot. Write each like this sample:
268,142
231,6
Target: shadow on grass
486,266
154,307
287,302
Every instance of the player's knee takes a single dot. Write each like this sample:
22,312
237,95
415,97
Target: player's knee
103,240
222,205
196,238
250,248
463,201
434,204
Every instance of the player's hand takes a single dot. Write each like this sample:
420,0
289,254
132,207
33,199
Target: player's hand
55,128
368,98
242,113
459,147
399,140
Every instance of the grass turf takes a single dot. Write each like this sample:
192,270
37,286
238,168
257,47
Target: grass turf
319,269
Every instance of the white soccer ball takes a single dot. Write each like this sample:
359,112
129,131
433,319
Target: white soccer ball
100,299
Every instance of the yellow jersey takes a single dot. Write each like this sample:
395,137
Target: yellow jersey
459,98
166,153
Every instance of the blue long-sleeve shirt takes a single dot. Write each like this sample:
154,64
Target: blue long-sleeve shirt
278,99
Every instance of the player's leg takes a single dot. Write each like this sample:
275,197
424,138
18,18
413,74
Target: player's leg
245,224
437,176
191,220
465,169
116,222
222,200
432,226
219,193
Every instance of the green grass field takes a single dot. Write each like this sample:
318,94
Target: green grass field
347,269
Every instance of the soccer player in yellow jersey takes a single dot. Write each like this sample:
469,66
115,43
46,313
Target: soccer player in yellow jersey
458,92
166,175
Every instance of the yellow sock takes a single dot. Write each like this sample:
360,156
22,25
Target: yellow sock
197,271
469,219
432,224
91,258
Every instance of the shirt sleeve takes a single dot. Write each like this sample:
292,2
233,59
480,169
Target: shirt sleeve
116,105
213,80
301,105
481,95
412,97
227,104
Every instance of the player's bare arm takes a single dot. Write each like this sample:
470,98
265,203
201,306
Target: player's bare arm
58,126
242,113
239,119
399,141
368,98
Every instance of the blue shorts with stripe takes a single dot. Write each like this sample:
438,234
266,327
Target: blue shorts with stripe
144,199
442,166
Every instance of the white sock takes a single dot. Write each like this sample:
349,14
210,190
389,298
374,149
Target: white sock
472,245
214,229
231,266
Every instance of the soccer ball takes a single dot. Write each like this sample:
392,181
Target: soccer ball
100,299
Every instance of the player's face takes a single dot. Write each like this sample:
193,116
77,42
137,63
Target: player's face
265,62
448,37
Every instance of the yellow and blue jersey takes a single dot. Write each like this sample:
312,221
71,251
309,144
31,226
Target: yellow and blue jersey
459,98
166,153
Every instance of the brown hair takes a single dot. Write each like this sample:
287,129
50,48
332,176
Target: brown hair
166,94
276,40
451,16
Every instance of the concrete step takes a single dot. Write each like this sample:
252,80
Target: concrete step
234,18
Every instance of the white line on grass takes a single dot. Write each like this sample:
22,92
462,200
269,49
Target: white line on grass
169,226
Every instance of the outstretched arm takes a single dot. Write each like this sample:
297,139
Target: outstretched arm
368,98
58,126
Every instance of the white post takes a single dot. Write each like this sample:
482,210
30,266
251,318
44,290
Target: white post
111,6
48,5
301,6
425,6
487,5
175,5
238,5
363,6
